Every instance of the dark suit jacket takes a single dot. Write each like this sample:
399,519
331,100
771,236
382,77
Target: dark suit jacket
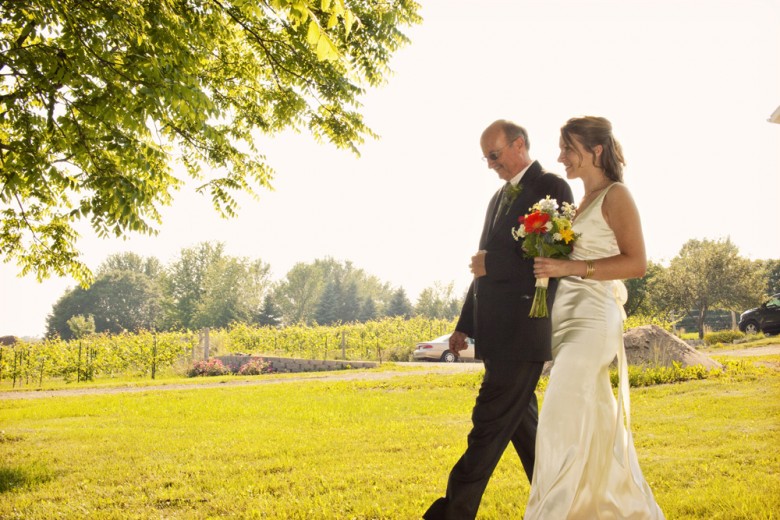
495,312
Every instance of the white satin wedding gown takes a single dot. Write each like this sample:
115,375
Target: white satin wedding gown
586,465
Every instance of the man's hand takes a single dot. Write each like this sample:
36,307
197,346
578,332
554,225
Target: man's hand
458,343
478,264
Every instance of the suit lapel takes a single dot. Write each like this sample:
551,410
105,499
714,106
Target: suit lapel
520,205
490,218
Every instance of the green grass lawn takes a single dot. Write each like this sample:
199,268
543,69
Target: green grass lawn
710,449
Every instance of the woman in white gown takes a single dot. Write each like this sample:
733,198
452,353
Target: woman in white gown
586,464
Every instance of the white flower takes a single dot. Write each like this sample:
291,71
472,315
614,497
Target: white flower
548,205
519,232
568,211
548,226
557,237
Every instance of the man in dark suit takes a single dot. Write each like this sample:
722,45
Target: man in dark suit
512,346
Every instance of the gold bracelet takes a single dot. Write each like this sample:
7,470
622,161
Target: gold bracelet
590,268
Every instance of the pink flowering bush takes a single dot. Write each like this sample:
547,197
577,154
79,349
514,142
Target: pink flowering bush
212,367
256,367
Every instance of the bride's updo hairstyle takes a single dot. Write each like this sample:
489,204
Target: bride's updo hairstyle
592,131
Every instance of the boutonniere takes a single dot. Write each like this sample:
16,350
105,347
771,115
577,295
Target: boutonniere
510,194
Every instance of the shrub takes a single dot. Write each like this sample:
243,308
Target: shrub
256,367
637,320
647,376
722,336
399,353
212,367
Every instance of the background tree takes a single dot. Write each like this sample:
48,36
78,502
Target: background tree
270,315
129,261
232,291
771,271
368,310
186,281
118,301
81,326
438,301
330,302
299,295
207,288
640,299
709,274
96,97
399,304
350,303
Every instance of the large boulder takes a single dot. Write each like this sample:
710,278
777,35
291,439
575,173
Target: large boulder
650,345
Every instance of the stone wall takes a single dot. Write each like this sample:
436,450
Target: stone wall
281,364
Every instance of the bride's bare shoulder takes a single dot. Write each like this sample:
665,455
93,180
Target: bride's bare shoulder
618,192
618,201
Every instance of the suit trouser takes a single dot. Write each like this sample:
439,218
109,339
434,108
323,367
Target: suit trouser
506,410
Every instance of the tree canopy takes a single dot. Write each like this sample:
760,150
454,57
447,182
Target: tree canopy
329,291
206,287
438,301
99,100
709,274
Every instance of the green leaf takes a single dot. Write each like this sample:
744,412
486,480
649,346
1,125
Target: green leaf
314,33
131,82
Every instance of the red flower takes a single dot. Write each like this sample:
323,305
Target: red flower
536,221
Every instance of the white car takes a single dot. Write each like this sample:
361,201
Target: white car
439,350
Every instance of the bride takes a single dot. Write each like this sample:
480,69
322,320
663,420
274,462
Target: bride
586,462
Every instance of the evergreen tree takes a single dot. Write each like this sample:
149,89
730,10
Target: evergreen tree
368,310
399,304
328,307
350,304
270,315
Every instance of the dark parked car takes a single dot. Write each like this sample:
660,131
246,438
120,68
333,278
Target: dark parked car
765,318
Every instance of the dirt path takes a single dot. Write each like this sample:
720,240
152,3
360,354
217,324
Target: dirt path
352,375
766,350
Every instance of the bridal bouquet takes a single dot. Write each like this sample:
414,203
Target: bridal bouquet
546,231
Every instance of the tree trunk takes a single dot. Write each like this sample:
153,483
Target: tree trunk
702,316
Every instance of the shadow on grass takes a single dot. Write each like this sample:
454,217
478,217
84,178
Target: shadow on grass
22,477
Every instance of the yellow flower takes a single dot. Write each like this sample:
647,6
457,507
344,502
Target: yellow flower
567,234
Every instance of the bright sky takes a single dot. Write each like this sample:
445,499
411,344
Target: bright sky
687,84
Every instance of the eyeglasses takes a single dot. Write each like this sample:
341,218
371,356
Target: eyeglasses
495,154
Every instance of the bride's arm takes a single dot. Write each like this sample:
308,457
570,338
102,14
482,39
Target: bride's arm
621,214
